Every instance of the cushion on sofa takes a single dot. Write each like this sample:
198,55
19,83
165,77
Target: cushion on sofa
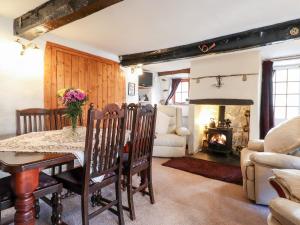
183,131
162,123
284,138
170,140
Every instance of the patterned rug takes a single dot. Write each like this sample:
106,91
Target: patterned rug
213,170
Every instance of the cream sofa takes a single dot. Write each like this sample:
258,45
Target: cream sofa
173,142
278,150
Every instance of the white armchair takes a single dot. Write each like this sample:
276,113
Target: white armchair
279,150
171,143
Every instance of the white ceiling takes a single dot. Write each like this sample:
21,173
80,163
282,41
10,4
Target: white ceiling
140,25
15,8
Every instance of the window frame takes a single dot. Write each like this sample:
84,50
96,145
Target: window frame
186,80
286,93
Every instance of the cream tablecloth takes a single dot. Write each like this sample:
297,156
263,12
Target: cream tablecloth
57,141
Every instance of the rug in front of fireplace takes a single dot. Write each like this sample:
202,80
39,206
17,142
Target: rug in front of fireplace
213,170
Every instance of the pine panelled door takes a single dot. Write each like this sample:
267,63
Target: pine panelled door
100,78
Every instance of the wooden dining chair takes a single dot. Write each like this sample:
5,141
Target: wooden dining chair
131,115
139,158
103,161
47,185
33,120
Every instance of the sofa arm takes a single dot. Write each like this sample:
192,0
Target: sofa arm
276,160
182,131
285,211
256,145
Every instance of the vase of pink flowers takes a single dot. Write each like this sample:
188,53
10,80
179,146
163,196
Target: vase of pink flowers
73,99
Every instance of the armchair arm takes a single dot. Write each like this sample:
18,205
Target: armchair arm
287,183
183,131
276,160
285,211
256,145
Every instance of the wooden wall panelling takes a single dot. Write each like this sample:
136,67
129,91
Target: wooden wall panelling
47,78
104,85
110,83
100,84
67,65
60,78
75,71
83,72
53,79
101,78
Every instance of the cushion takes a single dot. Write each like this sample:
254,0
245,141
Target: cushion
170,140
289,179
162,123
284,138
172,125
183,131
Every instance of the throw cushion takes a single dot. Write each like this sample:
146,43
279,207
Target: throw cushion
183,131
162,123
172,125
284,138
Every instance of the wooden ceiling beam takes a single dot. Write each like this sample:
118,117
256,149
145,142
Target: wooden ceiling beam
173,72
239,41
54,14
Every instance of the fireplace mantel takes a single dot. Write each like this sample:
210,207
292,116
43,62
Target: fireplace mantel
221,101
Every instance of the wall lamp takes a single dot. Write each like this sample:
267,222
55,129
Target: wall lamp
24,47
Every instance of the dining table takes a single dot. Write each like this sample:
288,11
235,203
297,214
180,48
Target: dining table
25,156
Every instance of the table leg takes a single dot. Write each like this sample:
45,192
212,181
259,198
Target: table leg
24,183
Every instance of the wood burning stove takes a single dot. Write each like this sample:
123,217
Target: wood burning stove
219,139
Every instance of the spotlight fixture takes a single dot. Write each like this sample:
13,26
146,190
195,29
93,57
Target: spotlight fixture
138,69
26,46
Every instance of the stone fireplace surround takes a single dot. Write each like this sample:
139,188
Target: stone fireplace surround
234,109
233,88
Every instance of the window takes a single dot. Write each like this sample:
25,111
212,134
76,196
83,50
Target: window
286,93
182,93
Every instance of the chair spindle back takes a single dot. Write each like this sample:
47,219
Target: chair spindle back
33,120
105,143
142,135
131,115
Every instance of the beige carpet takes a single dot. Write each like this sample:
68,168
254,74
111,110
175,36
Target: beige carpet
181,199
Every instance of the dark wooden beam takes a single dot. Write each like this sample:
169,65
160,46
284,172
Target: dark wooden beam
173,72
54,14
221,101
244,40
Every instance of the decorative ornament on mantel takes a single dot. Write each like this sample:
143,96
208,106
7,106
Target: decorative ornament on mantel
219,78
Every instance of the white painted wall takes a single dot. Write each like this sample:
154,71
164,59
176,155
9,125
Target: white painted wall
131,78
21,77
234,87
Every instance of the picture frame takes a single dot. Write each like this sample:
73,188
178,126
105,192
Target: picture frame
131,89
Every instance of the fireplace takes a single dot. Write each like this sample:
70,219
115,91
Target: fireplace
219,140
